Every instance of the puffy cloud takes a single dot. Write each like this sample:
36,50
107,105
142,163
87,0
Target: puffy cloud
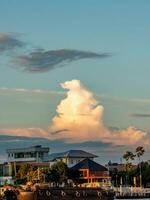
80,119
81,114
9,41
128,136
41,61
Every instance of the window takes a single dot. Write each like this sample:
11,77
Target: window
71,161
85,173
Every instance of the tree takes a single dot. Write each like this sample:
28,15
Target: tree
128,156
21,176
37,175
59,173
139,152
25,173
74,175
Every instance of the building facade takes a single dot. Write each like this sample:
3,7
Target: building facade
71,157
92,174
31,154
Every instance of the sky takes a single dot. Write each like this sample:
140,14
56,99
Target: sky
75,74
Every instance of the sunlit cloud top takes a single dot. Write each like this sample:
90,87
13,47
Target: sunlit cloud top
79,118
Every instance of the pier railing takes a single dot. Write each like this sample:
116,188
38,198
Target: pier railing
131,191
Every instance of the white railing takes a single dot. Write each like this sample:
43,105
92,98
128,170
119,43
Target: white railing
130,190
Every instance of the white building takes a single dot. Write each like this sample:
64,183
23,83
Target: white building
31,154
71,157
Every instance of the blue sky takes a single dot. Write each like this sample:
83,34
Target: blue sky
120,81
118,27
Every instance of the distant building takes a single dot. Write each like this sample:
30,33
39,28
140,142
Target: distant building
5,169
71,157
92,174
6,173
31,154
119,167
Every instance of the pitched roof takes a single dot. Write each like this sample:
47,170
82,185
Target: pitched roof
89,164
76,154
71,154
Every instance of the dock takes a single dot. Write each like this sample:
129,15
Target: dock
66,193
132,193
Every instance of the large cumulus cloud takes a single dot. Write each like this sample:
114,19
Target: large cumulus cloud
79,118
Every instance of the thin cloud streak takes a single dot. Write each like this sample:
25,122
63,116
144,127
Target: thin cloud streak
25,90
139,115
9,42
42,61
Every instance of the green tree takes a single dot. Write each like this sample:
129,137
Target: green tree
37,175
139,152
21,176
59,173
24,172
128,156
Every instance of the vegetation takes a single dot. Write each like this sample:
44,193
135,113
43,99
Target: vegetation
58,173
120,176
133,176
139,152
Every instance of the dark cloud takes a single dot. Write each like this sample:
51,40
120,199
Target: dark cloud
8,142
41,61
59,131
139,115
9,41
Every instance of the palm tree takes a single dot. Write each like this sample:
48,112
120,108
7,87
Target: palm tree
139,152
128,156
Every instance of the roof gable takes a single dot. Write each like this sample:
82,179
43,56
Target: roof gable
89,164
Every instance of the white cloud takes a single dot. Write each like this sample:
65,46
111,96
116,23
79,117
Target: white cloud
80,118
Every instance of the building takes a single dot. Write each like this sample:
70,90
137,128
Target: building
34,155
119,167
92,174
31,154
5,174
71,157
39,156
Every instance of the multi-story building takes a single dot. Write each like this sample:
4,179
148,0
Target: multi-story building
34,155
31,154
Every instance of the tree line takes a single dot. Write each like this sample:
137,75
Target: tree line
133,176
58,173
